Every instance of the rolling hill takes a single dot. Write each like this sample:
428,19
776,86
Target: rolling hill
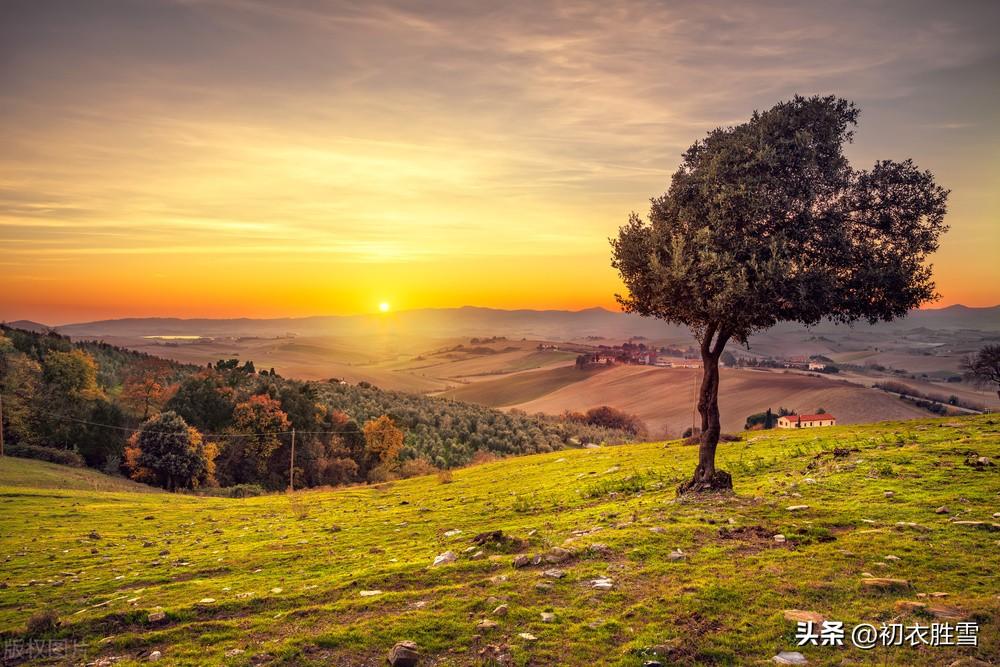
629,573
664,398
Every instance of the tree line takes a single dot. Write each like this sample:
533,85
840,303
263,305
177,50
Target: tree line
183,426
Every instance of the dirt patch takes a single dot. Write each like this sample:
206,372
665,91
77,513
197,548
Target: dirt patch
751,539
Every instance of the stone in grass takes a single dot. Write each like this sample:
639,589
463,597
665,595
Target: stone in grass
206,601
942,510
370,594
802,616
797,508
548,617
790,658
486,624
884,583
912,526
404,654
909,606
981,525
969,661
603,584
157,616
501,610
558,555
554,573
521,560
446,557
779,538
676,554
154,656
527,636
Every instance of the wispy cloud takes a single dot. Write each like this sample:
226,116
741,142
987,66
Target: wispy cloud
394,132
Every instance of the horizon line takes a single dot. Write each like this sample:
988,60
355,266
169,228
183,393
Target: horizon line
378,314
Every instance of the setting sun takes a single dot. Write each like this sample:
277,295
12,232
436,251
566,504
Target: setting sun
384,307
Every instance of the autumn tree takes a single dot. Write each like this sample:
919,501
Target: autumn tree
983,367
767,222
384,443
147,386
168,453
257,429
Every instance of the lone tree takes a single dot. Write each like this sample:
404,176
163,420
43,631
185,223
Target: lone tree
767,222
983,367
168,453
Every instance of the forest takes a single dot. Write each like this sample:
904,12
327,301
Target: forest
181,426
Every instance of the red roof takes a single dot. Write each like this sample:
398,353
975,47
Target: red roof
814,418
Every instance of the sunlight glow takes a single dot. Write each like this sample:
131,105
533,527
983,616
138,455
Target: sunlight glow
384,307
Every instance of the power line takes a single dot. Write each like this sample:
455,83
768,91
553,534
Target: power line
127,429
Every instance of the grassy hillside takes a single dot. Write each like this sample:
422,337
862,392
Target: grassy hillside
337,577
27,473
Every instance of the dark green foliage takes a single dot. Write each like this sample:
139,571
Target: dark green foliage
766,420
767,222
205,401
64,457
983,368
606,417
171,454
97,444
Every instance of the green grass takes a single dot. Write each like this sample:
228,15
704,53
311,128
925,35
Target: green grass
721,605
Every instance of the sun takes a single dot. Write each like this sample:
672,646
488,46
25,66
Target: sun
384,307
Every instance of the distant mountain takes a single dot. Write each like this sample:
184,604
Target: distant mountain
474,321
28,325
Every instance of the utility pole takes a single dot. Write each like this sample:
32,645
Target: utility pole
1,424
291,465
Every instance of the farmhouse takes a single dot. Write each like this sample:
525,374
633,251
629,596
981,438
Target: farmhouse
806,421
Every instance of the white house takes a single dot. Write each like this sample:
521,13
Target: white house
806,421
817,366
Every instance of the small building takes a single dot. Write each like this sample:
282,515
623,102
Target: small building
806,421
817,366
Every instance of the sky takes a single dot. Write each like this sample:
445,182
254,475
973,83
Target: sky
223,158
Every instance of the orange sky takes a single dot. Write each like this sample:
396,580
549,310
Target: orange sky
245,158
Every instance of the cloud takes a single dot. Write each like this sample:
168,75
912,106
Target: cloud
399,131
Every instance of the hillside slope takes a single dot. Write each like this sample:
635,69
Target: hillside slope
337,577
27,473
664,398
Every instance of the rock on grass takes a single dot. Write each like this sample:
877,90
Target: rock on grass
404,654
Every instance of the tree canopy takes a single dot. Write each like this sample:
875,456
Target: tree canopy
767,222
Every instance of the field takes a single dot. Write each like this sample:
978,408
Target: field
664,398
522,387
337,577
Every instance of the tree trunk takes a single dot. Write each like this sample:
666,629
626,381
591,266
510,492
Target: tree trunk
706,477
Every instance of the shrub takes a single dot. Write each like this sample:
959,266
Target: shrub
244,490
416,468
66,457
42,623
